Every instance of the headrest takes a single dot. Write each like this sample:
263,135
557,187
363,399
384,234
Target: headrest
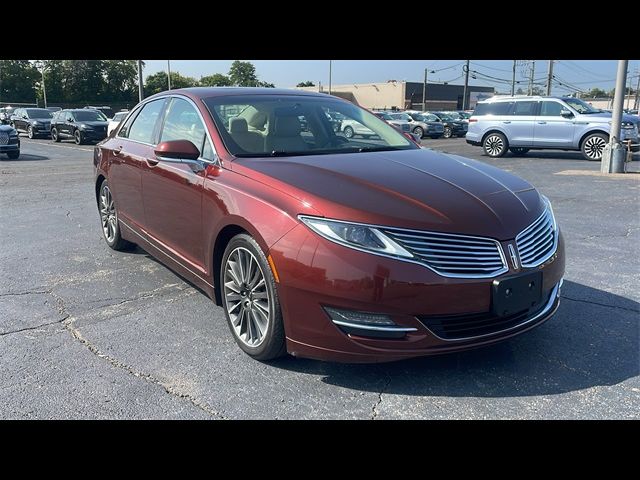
238,125
258,120
287,126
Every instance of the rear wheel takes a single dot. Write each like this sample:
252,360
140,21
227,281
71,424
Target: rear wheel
109,220
518,151
30,131
78,137
495,145
250,299
593,146
348,132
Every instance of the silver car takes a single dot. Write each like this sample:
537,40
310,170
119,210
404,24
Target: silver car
520,124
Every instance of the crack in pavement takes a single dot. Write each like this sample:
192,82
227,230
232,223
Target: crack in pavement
374,409
28,292
75,333
2,334
600,304
624,235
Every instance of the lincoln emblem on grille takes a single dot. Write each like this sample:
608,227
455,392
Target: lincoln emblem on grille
514,257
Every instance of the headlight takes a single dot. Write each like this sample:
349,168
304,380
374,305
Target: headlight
627,125
553,217
36,123
85,127
356,236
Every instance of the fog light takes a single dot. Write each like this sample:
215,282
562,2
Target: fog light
366,324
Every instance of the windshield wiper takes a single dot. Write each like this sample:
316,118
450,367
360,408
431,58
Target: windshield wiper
281,153
375,149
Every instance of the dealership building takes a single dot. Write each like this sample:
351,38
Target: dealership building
394,94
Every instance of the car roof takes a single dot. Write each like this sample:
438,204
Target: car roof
505,98
207,92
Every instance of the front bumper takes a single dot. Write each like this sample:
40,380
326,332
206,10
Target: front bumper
12,146
315,273
94,134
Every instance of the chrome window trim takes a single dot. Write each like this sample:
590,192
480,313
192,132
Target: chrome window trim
504,269
554,248
547,310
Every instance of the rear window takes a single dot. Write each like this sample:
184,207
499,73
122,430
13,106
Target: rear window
497,108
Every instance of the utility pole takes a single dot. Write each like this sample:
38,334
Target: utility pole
549,78
628,89
636,102
513,80
140,87
169,73
330,61
614,153
44,89
532,71
466,85
424,91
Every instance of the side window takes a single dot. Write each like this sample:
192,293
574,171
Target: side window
143,127
123,132
182,122
207,150
524,108
550,109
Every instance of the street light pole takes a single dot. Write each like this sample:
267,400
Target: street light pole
513,80
549,78
466,85
330,65
140,86
44,89
533,69
635,102
613,154
424,91
169,73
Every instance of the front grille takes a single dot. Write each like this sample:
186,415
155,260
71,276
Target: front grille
452,255
4,138
537,242
460,327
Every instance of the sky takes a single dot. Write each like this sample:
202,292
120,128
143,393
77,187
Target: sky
574,74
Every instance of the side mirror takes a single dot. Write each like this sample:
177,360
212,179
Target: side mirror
177,149
566,113
413,137
25,116
69,119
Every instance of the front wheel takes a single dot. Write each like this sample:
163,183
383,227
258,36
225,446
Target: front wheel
593,146
519,151
418,131
495,145
447,132
54,135
78,137
348,132
30,131
250,299
109,219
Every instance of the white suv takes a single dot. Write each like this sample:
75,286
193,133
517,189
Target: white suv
520,124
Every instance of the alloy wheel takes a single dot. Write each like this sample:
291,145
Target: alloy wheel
418,131
77,136
348,132
247,297
447,132
30,132
594,146
494,145
108,214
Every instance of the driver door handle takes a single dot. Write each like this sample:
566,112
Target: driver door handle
542,123
117,150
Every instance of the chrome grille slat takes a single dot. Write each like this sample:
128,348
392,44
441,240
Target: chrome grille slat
538,241
453,255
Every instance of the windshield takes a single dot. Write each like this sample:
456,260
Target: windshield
38,113
89,116
425,117
444,116
287,125
580,106
454,115
384,116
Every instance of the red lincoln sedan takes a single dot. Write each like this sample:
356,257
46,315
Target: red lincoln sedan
317,245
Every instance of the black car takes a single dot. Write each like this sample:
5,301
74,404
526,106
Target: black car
107,110
5,115
452,127
9,142
82,125
32,121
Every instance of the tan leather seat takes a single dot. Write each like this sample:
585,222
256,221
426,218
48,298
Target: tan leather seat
258,121
252,142
286,135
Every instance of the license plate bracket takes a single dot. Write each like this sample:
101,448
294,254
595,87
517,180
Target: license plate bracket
516,294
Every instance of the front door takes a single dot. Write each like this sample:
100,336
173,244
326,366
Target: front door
551,128
172,192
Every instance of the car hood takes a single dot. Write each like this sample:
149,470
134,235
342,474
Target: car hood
419,189
606,116
39,120
6,128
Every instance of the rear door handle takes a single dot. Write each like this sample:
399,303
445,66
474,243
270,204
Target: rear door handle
542,123
117,150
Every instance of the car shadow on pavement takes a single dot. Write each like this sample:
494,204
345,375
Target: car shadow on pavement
24,158
593,340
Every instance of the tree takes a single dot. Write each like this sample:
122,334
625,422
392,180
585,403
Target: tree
120,80
595,93
518,92
308,83
157,82
537,91
266,84
18,81
243,74
216,80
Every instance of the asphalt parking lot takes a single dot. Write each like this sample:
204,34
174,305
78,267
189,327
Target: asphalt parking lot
86,332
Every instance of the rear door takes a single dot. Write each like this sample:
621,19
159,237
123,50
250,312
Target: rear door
129,150
172,192
520,123
551,128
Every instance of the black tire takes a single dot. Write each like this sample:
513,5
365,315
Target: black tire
348,132
519,151
54,135
116,242
593,145
419,131
273,340
78,137
30,131
447,132
13,155
495,145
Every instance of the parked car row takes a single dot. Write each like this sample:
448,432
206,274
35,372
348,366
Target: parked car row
89,124
430,124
